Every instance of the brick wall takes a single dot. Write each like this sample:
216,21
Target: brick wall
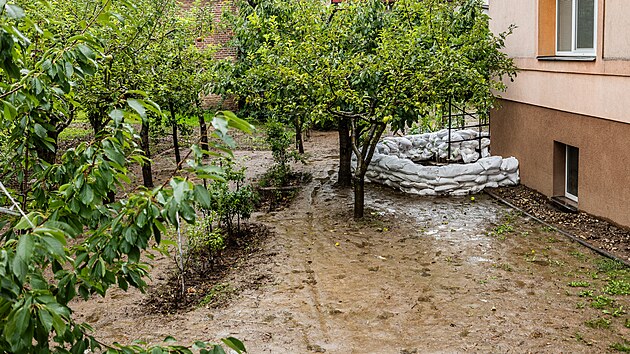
219,40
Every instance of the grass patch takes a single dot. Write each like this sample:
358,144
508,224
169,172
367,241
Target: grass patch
617,287
579,284
74,132
602,302
218,293
598,323
579,255
610,266
621,347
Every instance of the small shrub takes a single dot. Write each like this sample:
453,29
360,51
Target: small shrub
622,347
601,302
600,322
232,200
206,241
579,284
617,287
586,293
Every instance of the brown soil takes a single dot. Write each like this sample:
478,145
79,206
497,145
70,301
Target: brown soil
597,231
417,275
207,281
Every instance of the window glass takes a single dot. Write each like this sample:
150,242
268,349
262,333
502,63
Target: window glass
565,25
573,157
585,24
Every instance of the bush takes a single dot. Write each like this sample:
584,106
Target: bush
280,141
232,200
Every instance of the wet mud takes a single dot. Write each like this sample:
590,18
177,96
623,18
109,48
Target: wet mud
417,275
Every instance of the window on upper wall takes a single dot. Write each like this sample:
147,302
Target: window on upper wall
576,27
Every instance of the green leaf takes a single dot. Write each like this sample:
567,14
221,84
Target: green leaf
17,323
238,123
46,319
40,131
25,247
87,195
202,196
24,223
217,349
54,246
86,51
14,12
137,106
234,344
117,115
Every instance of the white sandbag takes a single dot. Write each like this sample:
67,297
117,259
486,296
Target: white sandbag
453,170
404,144
492,162
509,164
472,157
446,188
428,172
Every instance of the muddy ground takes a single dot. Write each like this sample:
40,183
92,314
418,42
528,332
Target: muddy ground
418,275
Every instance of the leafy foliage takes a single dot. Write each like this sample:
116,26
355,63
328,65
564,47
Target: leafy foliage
70,238
231,198
367,63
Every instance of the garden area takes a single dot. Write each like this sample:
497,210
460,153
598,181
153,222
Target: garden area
137,218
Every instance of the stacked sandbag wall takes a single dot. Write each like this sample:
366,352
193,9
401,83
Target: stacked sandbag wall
428,146
451,179
395,164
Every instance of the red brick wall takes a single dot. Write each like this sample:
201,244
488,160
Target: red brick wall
219,41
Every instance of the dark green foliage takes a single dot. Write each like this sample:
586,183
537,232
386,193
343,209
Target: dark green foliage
231,199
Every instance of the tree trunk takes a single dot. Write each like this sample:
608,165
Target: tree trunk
203,131
44,153
178,157
345,154
147,176
359,196
298,135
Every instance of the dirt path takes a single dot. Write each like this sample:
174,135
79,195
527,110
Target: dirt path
419,275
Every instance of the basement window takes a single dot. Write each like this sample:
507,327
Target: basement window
571,173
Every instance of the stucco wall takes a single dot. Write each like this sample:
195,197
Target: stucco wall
599,88
522,13
601,96
528,133
617,29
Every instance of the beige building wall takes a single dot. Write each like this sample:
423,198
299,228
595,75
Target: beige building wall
598,88
522,14
528,133
617,30
585,104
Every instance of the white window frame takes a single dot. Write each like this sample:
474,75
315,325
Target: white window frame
566,174
574,51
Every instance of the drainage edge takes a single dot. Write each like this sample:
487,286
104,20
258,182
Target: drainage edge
565,233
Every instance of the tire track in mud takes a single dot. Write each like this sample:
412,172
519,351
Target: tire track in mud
324,178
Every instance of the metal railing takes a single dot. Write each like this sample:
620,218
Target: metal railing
462,119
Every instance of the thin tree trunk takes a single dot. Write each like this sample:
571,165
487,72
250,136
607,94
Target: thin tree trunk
178,157
359,196
345,154
203,131
298,136
44,153
147,176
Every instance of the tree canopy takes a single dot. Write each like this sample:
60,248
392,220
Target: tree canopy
367,65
